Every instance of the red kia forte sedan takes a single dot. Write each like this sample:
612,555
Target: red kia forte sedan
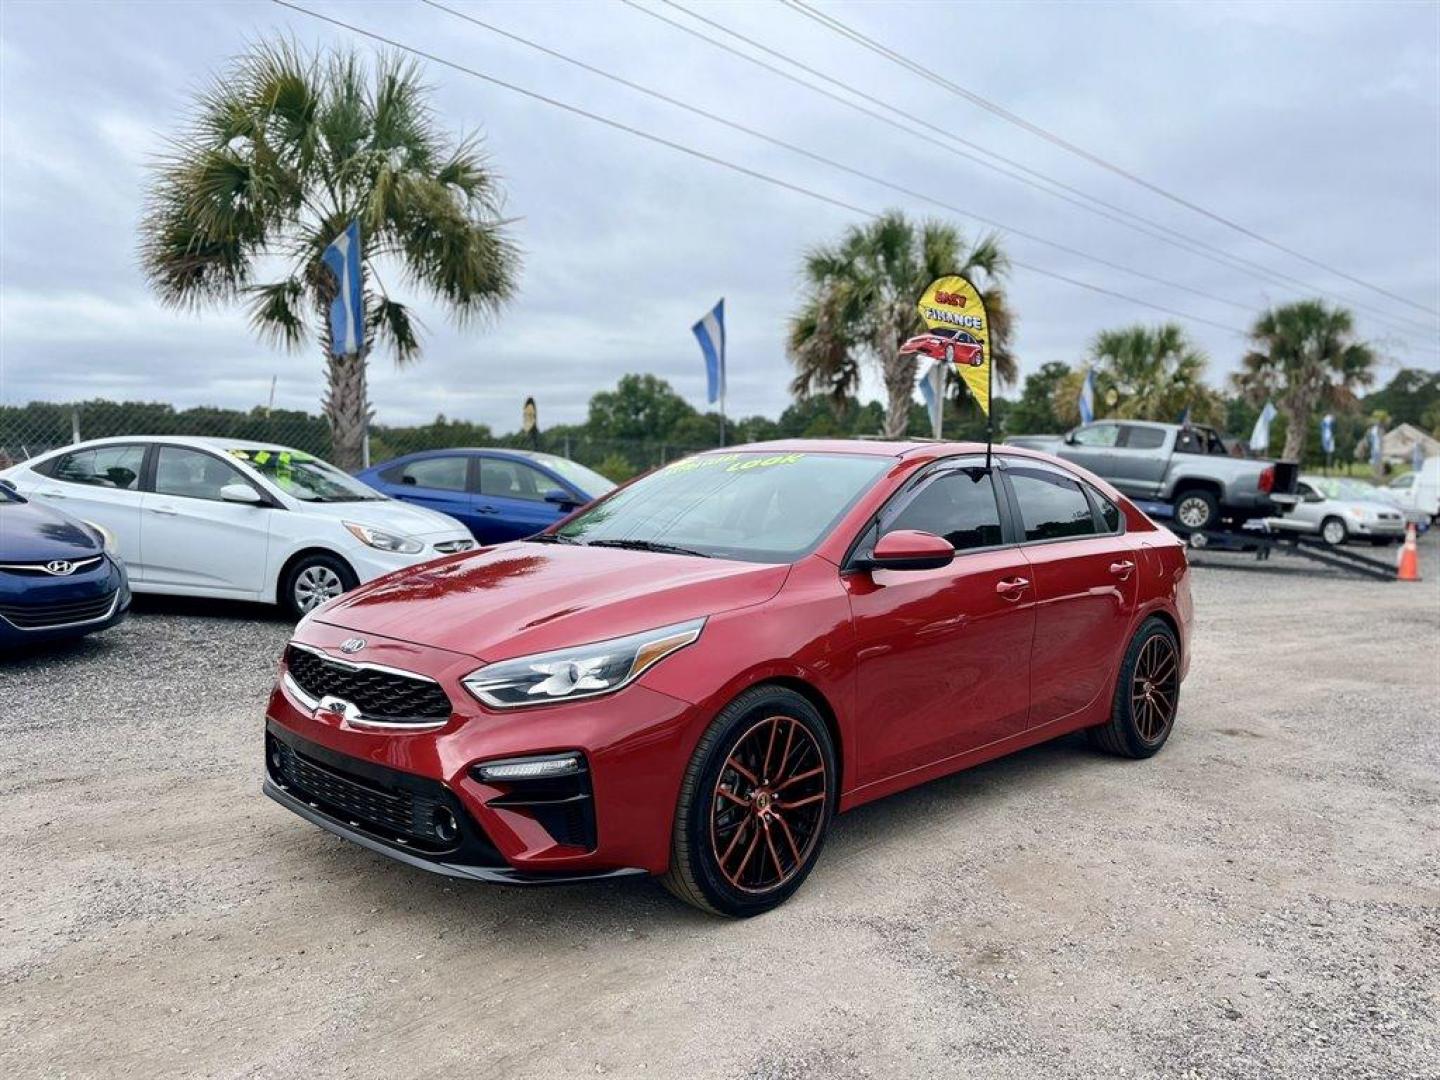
693,675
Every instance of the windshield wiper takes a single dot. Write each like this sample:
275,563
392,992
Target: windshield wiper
549,538
648,545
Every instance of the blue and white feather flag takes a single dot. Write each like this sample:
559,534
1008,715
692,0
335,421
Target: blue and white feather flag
1087,398
1260,435
710,333
347,311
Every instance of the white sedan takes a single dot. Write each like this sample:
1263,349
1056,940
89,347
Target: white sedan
1340,509
236,519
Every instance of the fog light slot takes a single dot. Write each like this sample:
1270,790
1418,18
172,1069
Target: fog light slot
447,829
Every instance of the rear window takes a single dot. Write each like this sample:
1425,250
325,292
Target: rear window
1144,438
1052,507
101,466
1110,516
446,473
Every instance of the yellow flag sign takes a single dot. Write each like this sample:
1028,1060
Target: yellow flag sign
959,333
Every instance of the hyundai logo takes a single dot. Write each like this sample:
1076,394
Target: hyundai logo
352,645
59,567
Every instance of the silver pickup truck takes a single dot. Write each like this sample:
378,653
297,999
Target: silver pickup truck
1187,466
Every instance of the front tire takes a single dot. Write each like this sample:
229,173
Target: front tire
1333,531
754,806
314,579
1147,694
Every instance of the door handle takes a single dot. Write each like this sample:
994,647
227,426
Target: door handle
1122,569
168,511
486,510
53,493
1012,585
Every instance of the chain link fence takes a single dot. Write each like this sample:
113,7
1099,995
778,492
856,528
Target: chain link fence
32,429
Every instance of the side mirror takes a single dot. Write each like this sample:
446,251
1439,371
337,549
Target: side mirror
240,493
1069,439
407,479
560,498
910,549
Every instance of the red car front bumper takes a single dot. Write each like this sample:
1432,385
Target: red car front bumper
417,797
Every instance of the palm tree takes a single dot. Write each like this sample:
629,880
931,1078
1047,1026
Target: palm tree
1306,358
278,157
861,306
1157,373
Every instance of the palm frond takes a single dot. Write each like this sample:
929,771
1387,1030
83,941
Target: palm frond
277,313
390,323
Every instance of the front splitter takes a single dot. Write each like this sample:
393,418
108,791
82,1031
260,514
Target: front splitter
495,875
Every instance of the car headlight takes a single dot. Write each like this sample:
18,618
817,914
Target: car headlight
584,671
107,538
384,541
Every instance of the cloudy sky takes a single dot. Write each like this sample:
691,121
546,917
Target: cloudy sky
1315,125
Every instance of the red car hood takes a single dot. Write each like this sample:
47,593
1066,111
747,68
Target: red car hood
524,598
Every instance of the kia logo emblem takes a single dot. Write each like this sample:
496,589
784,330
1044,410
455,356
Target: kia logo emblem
352,645
338,707
60,567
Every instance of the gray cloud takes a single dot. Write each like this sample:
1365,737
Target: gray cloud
1318,125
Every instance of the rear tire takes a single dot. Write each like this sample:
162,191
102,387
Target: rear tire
1197,510
1147,694
1333,531
314,579
755,805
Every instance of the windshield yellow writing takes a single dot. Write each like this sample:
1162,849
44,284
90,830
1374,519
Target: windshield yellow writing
733,462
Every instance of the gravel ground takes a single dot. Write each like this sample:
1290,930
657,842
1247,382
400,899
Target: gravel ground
1261,900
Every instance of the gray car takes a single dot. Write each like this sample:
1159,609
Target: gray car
1340,509
1187,465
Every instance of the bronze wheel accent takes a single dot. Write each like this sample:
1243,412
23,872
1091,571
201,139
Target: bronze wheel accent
768,805
1155,688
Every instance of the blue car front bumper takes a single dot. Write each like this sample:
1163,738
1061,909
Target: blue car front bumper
36,608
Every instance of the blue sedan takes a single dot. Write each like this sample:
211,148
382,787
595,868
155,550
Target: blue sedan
499,495
59,577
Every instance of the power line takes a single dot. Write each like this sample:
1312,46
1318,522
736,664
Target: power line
755,174
1085,201
867,42
831,162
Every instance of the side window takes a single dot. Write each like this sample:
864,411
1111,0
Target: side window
102,466
959,505
1051,506
192,474
1144,438
1098,435
513,480
1189,441
1110,516
446,473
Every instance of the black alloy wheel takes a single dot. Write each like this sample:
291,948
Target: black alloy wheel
1147,694
754,805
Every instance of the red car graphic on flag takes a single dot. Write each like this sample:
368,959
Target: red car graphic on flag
952,346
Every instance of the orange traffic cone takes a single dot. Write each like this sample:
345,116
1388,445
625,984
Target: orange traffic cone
1409,569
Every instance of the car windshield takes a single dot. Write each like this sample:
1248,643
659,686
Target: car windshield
587,480
1337,487
304,477
748,505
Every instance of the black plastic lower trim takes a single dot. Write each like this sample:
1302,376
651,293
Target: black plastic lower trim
493,874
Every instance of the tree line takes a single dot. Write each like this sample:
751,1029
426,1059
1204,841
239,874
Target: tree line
288,148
